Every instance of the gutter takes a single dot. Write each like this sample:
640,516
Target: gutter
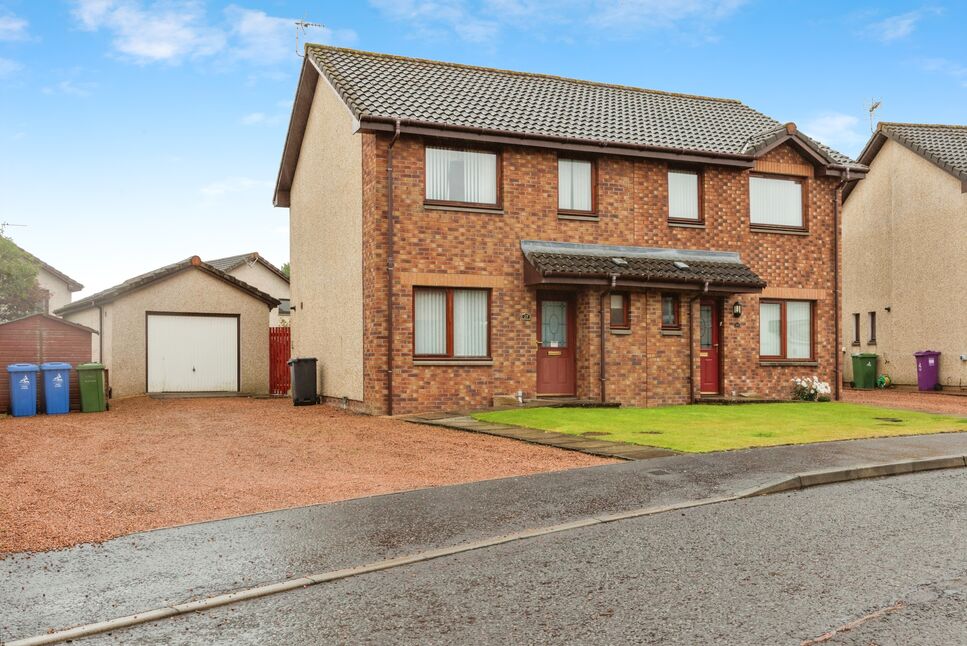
390,258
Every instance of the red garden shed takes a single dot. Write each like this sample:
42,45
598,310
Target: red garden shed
39,338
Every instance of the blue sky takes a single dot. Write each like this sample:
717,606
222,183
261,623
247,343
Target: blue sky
134,133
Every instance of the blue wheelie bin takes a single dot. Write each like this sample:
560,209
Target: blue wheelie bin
57,379
23,389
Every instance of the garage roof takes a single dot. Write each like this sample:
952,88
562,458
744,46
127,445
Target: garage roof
139,282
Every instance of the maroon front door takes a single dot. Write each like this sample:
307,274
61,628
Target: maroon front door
708,325
555,344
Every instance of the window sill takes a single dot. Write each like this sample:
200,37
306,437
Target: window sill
454,362
621,331
463,209
670,332
578,217
856,344
685,224
788,363
788,232
872,342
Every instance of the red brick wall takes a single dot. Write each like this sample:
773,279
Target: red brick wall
38,339
643,368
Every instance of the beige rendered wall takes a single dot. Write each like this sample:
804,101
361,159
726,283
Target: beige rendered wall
905,247
264,280
89,317
325,225
60,295
191,290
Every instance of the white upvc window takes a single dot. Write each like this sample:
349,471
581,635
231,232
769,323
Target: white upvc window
451,323
683,196
776,202
462,177
575,185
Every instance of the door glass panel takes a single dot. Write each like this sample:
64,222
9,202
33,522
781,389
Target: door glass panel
554,324
705,327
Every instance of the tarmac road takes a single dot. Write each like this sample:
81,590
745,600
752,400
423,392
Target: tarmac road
780,569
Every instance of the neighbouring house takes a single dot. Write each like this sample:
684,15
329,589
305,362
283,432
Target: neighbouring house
186,327
57,286
552,237
905,251
258,272
40,338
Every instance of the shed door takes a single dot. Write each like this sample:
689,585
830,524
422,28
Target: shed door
192,353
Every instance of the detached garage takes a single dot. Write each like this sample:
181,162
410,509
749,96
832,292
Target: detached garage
184,328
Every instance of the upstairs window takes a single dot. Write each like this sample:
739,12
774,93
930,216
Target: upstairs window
856,328
684,196
776,202
462,177
619,311
872,340
575,186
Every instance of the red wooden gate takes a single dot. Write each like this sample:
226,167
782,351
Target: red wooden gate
279,352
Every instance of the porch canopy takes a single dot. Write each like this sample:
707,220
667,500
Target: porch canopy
569,263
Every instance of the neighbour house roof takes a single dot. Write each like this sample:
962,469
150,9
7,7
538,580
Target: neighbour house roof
562,262
72,284
233,262
469,102
943,145
151,277
54,319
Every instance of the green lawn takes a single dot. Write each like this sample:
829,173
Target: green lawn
703,428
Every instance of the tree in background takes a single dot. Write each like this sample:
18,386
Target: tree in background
285,270
20,293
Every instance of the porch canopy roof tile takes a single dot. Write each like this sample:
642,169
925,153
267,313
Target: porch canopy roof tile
592,264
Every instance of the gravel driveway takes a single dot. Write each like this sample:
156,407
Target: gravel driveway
155,463
928,402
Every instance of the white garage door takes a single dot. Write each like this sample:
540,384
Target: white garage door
192,353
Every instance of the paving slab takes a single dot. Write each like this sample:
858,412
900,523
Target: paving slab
147,570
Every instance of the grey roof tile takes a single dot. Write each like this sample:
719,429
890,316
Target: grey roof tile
944,145
382,86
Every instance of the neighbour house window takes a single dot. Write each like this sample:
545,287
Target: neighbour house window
462,177
856,328
670,307
575,186
786,330
872,327
776,202
684,196
620,306
285,307
451,323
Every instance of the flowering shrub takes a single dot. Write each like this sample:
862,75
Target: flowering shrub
810,389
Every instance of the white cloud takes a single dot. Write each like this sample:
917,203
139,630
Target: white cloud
231,185
610,18
9,67
900,26
174,30
946,67
263,119
12,27
843,132
253,119
70,88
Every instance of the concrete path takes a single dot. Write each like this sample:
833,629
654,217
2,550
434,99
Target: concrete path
605,448
151,569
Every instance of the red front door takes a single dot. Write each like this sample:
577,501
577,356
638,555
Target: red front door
708,325
555,344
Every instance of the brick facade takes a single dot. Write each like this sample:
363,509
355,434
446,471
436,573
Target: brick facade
644,368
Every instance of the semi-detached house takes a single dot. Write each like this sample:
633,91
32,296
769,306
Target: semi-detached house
553,237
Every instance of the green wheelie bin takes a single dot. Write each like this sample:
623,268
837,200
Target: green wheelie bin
864,370
90,378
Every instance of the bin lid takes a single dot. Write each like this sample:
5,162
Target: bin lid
93,365
55,365
867,355
926,353
22,367
301,360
